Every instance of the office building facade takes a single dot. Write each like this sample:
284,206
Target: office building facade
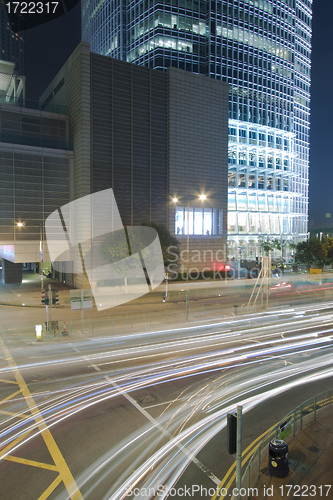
262,49
136,131
36,168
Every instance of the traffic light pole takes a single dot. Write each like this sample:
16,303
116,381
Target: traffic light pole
49,293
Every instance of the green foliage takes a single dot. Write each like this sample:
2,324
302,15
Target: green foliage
267,244
315,252
167,240
114,249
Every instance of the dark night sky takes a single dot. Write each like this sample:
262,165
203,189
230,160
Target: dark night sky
49,46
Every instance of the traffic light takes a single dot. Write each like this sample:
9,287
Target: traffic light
45,299
55,298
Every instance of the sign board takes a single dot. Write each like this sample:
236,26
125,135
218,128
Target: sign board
76,294
76,304
315,271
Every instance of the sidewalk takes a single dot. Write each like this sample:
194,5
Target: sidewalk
310,463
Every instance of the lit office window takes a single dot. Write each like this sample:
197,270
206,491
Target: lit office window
202,221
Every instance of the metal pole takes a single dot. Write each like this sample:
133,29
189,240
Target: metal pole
41,259
239,451
49,308
188,254
82,319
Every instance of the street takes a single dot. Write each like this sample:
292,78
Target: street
135,409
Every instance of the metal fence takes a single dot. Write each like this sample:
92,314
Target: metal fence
298,418
169,315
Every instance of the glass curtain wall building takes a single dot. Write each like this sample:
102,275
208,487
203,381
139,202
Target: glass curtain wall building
11,44
262,48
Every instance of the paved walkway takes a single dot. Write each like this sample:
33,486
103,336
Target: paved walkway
311,466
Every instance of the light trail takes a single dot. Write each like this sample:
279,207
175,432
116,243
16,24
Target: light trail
245,358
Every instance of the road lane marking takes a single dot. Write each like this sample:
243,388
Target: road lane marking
7,381
245,456
11,445
8,398
51,488
65,474
251,452
156,424
33,463
12,414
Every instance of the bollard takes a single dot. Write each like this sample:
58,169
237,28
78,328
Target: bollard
38,330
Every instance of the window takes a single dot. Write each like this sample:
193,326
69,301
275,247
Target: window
231,201
231,222
232,178
252,203
241,180
202,221
252,181
242,158
262,203
252,159
241,202
242,223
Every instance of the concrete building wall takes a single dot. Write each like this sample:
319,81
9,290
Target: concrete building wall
35,168
198,155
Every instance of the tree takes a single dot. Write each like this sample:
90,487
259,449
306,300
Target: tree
121,244
167,241
311,252
292,246
267,244
328,243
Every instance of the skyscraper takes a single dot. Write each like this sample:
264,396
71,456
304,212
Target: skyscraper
11,44
262,49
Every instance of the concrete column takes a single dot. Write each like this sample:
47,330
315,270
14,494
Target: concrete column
11,273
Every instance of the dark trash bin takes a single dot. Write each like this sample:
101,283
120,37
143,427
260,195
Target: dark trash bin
278,458
295,269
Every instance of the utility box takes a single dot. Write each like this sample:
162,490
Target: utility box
278,464
232,433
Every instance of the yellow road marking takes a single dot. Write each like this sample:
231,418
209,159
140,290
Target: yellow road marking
25,461
51,488
10,397
245,458
60,463
14,443
7,381
12,414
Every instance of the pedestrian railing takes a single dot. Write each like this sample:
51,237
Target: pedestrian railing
285,429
